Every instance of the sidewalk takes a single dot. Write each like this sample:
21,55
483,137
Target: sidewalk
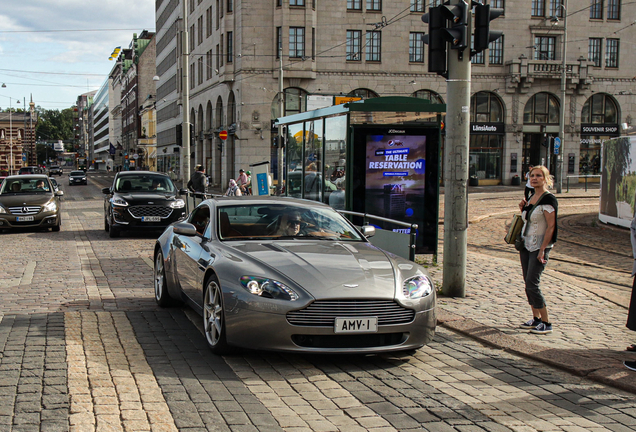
589,335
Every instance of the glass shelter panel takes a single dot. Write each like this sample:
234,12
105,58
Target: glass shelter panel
294,159
312,185
335,161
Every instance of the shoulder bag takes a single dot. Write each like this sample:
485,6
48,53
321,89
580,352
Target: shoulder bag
519,243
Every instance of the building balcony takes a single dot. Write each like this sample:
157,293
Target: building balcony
523,72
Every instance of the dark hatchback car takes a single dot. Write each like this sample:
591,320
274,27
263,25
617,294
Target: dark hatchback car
141,200
29,201
77,177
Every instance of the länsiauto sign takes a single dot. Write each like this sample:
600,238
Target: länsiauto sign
486,128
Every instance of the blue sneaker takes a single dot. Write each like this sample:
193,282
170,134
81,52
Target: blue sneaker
542,328
533,323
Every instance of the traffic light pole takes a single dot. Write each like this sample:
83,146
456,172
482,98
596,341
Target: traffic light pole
456,171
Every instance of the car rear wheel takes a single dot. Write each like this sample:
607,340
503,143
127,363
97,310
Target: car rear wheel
214,317
162,297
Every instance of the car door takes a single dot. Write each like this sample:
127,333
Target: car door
189,252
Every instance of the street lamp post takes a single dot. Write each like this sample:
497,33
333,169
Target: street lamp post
10,140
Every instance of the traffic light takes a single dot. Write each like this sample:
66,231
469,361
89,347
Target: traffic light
435,40
483,35
179,137
457,34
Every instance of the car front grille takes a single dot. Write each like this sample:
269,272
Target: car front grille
30,210
323,313
150,210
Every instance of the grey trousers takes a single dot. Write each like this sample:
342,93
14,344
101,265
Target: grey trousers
532,269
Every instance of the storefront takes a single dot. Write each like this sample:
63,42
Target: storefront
487,131
599,123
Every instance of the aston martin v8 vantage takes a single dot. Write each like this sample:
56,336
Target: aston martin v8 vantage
292,275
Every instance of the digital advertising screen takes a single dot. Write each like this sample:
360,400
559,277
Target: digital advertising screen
400,179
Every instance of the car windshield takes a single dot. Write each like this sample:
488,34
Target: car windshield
77,173
25,186
283,221
144,183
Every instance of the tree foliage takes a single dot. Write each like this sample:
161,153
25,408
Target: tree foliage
55,125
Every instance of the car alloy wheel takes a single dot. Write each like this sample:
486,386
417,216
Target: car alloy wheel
213,317
161,290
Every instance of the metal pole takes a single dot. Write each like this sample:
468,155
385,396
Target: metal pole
456,172
185,102
559,162
10,140
281,110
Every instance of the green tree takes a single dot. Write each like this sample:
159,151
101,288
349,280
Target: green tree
616,160
55,125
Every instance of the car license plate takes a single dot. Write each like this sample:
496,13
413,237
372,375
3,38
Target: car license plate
356,325
24,218
150,219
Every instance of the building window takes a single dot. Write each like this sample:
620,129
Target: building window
596,9
192,74
221,51
416,47
495,51
218,13
208,22
216,54
497,4
374,42
556,9
538,8
542,108
200,70
313,43
354,39
613,9
208,65
594,51
544,48
200,33
297,2
485,107
279,41
230,6
374,5
478,58
599,109
435,3
354,4
417,5
428,94
363,93
191,41
230,47
296,42
611,53
279,3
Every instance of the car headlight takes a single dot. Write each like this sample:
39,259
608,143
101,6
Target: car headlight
50,206
2,210
268,288
119,202
177,204
417,287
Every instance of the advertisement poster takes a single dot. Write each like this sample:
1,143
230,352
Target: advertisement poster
395,177
618,181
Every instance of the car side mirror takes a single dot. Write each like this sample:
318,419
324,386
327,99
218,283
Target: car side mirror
106,190
185,228
59,193
368,231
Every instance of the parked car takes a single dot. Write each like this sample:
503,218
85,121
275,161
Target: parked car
55,170
30,170
24,204
141,200
77,177
285,274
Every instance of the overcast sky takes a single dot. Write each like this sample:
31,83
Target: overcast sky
56,50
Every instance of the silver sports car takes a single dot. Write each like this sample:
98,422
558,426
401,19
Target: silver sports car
291,275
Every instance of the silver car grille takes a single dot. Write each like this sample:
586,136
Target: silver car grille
150,210
322,313
30,210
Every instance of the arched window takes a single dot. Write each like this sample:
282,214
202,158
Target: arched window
486,107
542,108
363,93
428,94
294,102
599,109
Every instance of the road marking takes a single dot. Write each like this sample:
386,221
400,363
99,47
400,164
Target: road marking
110,384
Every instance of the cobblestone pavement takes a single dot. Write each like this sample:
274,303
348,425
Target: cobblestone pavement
84,347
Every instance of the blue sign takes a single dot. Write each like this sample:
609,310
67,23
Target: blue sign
263,184
557,143
23,157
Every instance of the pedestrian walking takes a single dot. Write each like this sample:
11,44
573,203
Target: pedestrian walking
631,314
527,193
539,233
198,182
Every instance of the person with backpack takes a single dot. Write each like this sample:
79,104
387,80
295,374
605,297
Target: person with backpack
233,189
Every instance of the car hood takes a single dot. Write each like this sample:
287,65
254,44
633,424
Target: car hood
327,269
146,197
17,200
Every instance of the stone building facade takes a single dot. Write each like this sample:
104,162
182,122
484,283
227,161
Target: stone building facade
369,48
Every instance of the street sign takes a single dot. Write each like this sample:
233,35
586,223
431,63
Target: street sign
23,157
223,135
557,145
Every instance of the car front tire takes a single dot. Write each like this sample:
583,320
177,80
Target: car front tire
214,317
106,226
162,297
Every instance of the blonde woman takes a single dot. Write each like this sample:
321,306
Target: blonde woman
539,235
